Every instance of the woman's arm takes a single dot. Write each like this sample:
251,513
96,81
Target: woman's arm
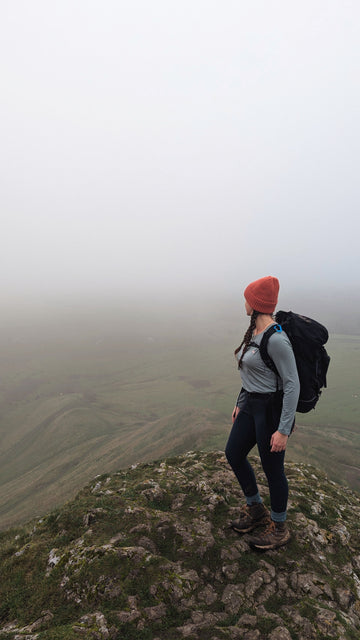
239,403
280,350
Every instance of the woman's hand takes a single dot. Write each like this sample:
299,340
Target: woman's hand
235,413
278,442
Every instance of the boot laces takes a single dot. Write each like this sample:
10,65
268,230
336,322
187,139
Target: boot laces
270,528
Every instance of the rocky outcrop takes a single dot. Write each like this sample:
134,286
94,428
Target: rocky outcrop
149,553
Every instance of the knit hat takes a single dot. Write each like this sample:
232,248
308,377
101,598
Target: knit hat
262,295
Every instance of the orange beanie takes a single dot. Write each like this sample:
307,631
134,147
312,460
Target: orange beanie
262,295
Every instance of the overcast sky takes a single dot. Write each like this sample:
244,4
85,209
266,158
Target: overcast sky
193,145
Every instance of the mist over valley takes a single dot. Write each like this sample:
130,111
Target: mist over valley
89,387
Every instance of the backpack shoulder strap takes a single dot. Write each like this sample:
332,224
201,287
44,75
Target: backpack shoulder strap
275,328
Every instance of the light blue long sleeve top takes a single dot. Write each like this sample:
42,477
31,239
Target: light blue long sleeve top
258,378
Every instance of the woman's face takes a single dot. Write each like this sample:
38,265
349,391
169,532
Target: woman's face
248,309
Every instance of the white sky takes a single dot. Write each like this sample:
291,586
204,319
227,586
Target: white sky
193,145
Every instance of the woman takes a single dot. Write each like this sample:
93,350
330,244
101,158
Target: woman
264,414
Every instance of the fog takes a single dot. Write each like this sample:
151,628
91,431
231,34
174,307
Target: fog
179,148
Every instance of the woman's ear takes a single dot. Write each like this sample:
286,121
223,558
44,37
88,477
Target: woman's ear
249,310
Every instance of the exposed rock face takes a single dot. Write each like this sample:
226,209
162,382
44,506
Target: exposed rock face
148,553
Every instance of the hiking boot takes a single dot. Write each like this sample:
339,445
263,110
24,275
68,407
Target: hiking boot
251,516
275,535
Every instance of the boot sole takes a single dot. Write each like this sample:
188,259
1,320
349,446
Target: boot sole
243,530
269,547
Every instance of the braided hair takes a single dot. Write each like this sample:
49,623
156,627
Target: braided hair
247,337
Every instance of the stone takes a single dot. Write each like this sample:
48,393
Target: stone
255,581
208,595
232,598
280,633
155,613
247,620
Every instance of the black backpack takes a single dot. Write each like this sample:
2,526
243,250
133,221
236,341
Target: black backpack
307,337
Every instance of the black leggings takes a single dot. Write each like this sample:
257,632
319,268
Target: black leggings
255,424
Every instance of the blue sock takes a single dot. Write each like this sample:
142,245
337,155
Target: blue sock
256,499
278,517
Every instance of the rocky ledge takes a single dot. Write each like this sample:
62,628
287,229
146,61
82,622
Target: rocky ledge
148,553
